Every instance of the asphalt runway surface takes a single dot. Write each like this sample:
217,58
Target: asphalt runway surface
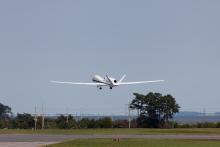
34,140
58,138
24,144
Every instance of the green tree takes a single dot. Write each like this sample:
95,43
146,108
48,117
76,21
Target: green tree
138,103
66,122
84,123
154,109
106,122
24,121
5,111
93,123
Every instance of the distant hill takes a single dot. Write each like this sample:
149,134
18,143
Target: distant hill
194,117
217,113
181,117
188,113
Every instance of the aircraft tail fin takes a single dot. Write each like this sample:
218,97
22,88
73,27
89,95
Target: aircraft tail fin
122,78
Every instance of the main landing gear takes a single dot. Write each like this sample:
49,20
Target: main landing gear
99,87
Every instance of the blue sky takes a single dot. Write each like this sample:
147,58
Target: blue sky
174,40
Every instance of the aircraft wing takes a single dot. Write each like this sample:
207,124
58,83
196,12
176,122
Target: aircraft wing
139,82
78,83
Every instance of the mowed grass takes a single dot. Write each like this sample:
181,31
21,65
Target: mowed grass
114,131
138,143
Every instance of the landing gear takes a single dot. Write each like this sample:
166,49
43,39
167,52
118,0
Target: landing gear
110,87
99,87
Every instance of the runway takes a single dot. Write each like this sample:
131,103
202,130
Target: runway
59,138
26,140
25,144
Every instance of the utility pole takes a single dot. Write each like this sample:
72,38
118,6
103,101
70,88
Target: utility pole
204,112
67,116
76,117
42,117
35,118
129,116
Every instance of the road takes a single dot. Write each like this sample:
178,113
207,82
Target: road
23,140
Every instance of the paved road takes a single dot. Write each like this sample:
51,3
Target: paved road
24,144
27,140
58,138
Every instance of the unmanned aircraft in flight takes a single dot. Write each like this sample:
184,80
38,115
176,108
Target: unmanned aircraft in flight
107,81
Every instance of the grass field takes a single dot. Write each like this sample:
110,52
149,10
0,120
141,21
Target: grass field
115,131
138,143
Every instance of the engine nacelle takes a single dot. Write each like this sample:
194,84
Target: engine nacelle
113,80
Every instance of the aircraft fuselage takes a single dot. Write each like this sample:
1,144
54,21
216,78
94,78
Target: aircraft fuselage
106,81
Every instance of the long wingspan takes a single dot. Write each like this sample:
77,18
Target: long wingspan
139,82
78,83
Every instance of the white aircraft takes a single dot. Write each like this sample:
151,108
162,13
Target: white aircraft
106,81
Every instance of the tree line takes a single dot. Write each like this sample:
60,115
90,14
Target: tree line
26,121
154,111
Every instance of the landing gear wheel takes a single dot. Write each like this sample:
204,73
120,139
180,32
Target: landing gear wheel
100,88
110,87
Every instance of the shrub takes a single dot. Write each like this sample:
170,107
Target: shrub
217,125
93,123
120,124
105,122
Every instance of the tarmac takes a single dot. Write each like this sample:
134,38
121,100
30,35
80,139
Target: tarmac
34,140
